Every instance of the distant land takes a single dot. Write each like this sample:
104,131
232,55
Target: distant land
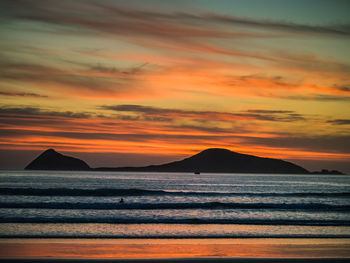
52,160
213,160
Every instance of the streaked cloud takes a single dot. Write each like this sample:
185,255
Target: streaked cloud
340,121
22,94
28,111
109,16
83,81
330,143
70,131
333,30
319,97
262,115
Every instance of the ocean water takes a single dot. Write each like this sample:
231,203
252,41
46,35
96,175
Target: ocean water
172,205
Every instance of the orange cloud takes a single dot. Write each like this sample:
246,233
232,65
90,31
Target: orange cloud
30,128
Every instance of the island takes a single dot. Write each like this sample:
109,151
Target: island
213,160
52,160
326,171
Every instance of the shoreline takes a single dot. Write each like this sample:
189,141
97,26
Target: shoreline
182,260
95,237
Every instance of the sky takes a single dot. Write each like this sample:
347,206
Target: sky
120,83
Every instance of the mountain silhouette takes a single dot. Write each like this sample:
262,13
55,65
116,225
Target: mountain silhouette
52,160
220,161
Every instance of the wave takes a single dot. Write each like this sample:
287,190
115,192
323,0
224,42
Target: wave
158,206
141,192
235,221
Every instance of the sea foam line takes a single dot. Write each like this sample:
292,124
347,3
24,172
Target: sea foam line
133,220
140,192
158,206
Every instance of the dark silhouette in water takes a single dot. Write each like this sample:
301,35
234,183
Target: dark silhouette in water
121,200
220,161
52,160
325,171
225,161
213,160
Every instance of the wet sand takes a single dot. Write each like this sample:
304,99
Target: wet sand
175,250
186,260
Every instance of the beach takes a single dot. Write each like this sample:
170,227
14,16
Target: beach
173,217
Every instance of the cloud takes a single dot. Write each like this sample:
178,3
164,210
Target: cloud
323,143
343,88
309,63
134,137
270,111
189,35
142,109
22,94
107,17
113,136
116,71
340,121
162,120
111,18
207,129
306,30
262,115
160,129
303,88
94,81
160,30
45,74
318,97
35,111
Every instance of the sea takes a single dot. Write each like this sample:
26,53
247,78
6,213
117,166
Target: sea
67,204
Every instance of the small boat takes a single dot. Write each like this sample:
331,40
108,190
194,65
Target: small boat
197,173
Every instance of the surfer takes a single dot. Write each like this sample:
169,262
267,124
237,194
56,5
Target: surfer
121,200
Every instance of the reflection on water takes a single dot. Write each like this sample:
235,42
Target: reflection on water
169,230
155,248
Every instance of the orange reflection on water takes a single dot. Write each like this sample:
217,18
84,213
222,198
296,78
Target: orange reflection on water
173,248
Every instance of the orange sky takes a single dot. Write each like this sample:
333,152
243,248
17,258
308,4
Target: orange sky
128,83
